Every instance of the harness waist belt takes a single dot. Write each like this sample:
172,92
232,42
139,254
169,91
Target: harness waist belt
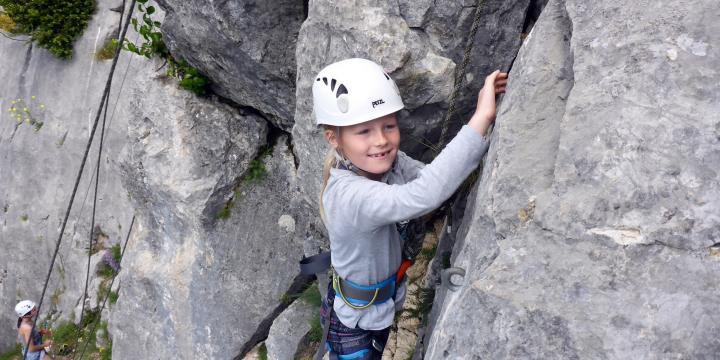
357,295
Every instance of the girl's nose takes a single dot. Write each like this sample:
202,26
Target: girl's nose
380,139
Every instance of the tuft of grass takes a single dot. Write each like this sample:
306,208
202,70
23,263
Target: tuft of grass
108,50
113,297
64,336
12,354
226,211
316,329
423,304
105,271
256,172
262,352
24,217
285,299
116,252
429,253
311,295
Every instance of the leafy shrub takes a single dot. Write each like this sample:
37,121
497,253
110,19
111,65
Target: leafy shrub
52,24
189,78
6,24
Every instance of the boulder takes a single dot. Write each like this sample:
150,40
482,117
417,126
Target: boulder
247,49
219,229
591,235
289,329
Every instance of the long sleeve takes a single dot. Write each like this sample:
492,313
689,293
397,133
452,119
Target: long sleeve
368,204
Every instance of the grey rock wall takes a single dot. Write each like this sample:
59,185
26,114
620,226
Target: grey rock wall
38,168
592,231
247,49
200,283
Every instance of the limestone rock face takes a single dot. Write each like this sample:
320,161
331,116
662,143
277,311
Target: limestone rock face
39,163
419,43
593,230
247,49
213,251
288,330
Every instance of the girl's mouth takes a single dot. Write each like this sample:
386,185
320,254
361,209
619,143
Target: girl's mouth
380,156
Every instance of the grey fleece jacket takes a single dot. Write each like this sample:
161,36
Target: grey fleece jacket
361,216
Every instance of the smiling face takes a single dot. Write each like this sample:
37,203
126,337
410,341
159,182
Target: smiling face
371,146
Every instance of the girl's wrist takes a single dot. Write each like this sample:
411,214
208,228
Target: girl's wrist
480,123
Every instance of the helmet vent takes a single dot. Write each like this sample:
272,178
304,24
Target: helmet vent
318,79
325,81
386,76
341,90
332,84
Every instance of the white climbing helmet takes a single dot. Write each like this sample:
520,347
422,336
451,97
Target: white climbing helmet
354,91
24,307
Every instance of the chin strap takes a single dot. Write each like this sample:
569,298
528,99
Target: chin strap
341,162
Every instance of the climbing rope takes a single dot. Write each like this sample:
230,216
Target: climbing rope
97,180
106,93
102,307
460,75
92,223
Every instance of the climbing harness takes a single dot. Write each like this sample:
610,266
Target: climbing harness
358,296
106,94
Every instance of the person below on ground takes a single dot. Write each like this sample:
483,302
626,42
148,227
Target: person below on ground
26,311
369,187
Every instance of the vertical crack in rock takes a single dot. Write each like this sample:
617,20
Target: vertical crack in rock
22,88
22,85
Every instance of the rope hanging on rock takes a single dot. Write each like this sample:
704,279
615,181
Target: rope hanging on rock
92,224
460,76
106,93
102,307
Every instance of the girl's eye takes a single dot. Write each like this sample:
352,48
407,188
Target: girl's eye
363,132
390,126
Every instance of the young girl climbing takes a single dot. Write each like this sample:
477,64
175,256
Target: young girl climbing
369,187
25,311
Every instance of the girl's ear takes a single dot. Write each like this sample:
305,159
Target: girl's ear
331,135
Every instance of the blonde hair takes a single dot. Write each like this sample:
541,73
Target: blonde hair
328,164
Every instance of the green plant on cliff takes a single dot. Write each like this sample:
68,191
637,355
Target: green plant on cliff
188,77
255,173
30,112
107,52
52,24
7,24
149,29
